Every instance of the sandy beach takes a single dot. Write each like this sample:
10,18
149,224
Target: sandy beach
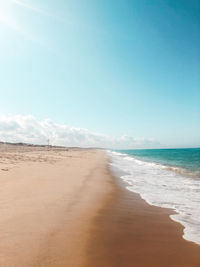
63,208
47,201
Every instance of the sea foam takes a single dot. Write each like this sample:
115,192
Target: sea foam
164,187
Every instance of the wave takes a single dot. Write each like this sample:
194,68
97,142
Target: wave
163,186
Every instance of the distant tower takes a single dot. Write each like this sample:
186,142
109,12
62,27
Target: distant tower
48,143
5,146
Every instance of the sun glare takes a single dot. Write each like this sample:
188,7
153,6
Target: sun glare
6,16
5,7
10,19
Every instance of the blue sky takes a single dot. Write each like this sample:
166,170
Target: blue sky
113,67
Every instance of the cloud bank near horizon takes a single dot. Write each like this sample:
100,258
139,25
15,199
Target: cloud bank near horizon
28,129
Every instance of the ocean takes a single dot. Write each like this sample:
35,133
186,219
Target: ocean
168,178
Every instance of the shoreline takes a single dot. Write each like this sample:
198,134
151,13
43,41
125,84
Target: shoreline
130,232
66,209
161,181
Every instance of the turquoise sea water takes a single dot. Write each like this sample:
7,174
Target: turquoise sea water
185,158
167,178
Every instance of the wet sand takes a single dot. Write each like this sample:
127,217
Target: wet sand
130,233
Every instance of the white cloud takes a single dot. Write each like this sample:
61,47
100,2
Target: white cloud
30,130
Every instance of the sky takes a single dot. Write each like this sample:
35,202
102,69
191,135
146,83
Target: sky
109,73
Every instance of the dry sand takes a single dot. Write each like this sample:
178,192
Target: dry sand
47,202
63,208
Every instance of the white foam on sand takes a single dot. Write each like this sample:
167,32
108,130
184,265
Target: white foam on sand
163,187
